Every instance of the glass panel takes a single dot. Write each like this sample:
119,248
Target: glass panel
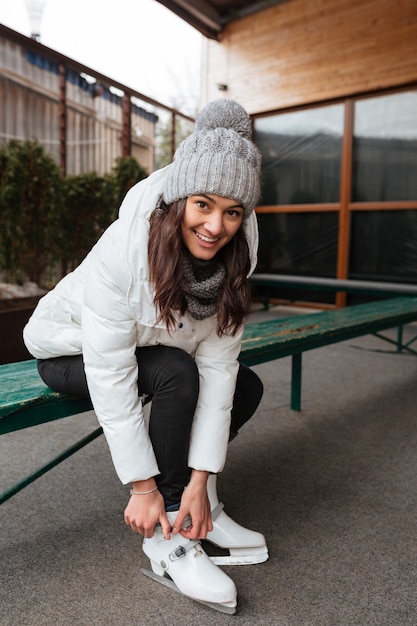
383,246
298,243
385,148
301,155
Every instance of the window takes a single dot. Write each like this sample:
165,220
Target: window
298,243
339,189
384,246
301,155
385,148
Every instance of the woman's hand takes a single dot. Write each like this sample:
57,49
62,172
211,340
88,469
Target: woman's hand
143,512
196,505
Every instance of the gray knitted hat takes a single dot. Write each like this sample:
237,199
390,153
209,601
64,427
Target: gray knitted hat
218,158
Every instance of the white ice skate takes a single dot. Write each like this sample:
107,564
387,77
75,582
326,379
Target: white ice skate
246,547
182,565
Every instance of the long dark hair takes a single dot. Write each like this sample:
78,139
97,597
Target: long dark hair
165,250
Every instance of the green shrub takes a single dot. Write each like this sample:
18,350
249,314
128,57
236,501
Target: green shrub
89,207
49,222
30,202
126,173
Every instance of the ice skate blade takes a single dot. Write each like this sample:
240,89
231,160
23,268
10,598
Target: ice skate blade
240,559
167,582
240,556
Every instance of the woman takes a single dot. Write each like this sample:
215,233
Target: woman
157,307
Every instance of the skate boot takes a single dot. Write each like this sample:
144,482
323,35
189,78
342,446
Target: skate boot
245,546
182,565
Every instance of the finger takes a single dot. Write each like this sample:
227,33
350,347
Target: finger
134,528
166,526
192,533
145,531
190,528
177,525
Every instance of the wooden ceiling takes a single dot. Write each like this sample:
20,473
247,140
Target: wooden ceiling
211,16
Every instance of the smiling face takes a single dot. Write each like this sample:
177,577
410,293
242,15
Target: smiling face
209,223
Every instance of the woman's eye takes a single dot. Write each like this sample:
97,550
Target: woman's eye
201,204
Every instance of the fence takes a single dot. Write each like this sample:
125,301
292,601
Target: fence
84,119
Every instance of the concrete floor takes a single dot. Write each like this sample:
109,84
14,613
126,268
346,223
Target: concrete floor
333,489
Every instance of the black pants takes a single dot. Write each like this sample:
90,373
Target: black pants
170,376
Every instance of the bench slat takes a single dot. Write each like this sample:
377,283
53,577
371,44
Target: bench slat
23,392
269,340
21,385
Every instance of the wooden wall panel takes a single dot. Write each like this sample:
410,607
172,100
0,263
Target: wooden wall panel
305,51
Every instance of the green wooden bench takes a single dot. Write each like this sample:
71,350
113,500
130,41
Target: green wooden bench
270,340
26,401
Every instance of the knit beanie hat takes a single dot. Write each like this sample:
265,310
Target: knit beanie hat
219,158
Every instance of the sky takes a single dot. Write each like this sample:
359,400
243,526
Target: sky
139,43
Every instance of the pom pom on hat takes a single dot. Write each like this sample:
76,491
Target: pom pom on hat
219,158
225,114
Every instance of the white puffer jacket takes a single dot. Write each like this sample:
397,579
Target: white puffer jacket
104,309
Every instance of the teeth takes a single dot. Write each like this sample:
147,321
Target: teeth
207,239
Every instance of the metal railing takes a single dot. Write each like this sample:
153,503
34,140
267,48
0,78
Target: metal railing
76,96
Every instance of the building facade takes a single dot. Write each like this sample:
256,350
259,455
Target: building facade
332,89
83,122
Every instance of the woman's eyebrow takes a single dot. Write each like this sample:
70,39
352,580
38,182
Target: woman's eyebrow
213,199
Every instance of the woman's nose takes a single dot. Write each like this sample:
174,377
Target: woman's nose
214,223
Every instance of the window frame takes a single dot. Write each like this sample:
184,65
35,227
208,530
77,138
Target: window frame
345,207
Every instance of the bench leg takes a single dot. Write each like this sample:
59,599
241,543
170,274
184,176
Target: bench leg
296,366
400,338
398,343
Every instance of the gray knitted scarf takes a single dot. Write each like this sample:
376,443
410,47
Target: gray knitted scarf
202,282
